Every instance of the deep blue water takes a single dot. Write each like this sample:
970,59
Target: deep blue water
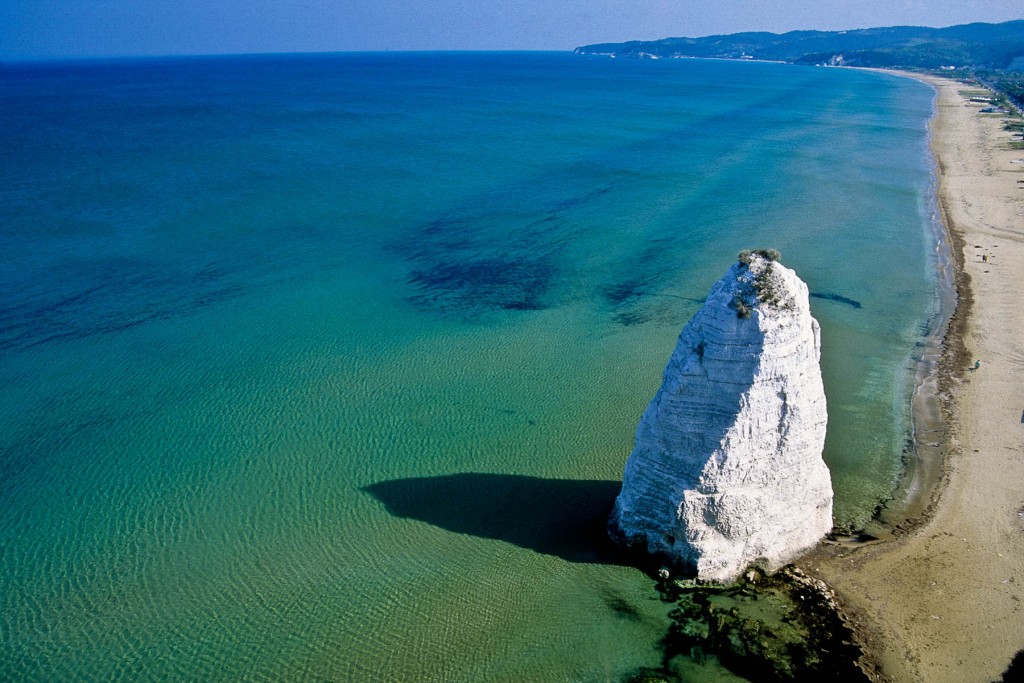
328,366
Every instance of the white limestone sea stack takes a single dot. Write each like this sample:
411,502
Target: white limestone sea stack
727,469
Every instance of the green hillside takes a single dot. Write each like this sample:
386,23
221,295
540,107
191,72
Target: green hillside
985,46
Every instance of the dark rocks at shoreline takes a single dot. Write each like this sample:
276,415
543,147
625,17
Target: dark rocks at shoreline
781,628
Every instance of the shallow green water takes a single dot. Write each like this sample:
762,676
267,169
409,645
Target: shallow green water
328,366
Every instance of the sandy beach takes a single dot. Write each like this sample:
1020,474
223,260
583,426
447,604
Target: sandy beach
944,601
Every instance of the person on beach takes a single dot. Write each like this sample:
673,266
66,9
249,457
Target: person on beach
977,364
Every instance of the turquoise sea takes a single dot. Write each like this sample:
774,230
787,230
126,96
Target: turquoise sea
326,367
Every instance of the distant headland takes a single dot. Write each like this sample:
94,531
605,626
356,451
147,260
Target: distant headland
976,46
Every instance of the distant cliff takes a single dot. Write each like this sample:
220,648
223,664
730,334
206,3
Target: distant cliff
989,46
727,467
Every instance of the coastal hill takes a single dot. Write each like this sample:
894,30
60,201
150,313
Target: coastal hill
979,45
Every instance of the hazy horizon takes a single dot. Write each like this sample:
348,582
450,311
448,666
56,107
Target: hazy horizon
30,30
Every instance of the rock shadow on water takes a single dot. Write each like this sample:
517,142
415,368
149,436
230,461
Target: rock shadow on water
559,517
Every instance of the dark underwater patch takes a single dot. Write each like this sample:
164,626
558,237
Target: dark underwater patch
776,628
477,285
113,297
630,318
622,607
506,251
625,291
636,301
838,298
641,293
467,266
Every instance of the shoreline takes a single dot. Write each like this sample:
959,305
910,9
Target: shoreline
915,494
944,599
914,497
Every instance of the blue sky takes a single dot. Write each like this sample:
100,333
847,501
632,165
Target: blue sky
31,29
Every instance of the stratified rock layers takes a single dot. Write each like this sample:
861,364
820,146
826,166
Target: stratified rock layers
727,468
